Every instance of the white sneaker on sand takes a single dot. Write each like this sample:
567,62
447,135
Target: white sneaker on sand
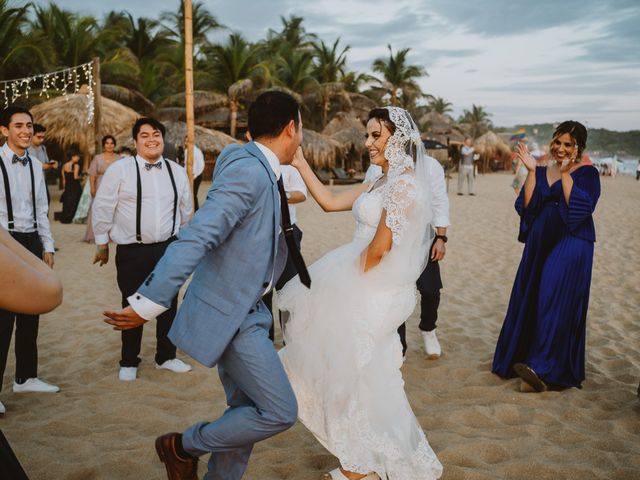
128,374
431,345
35,385
2,409
175,365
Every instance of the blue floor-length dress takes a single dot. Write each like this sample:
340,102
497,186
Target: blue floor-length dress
545,323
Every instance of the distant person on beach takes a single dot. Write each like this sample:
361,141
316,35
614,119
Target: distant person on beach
72,186
141,204
198,169
638,171
98,166
465,167
543,335
24,213
38,151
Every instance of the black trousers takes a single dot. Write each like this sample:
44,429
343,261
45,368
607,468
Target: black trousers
26,345
429,285
288,273
10,467
134,263
196,185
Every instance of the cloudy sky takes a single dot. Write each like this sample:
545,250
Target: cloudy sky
524,61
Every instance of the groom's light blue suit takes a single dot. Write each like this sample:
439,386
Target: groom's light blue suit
234,248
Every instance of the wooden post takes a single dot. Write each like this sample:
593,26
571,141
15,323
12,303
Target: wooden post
188,72
97,108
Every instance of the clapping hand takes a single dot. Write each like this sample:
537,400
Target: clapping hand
525,157
567,163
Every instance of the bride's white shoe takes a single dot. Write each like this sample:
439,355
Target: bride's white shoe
338,475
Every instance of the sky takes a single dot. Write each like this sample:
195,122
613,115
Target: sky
535,61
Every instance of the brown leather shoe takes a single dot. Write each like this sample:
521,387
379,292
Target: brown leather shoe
177,468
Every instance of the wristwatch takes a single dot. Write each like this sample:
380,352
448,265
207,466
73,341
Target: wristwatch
441,237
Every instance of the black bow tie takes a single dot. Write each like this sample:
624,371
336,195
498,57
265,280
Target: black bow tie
149,166
24,160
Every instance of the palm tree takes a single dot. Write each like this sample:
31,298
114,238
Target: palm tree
398,78
329,67
355,81
294,70
439,105
236,61
19,51
292,36
203,22
478,119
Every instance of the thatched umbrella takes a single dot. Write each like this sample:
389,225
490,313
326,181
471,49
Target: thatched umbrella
321,151
435,123
171,114
490,146
204,101
361,105
128,97
342,121
65,119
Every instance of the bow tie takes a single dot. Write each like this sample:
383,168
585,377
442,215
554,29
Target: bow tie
24,160
149,166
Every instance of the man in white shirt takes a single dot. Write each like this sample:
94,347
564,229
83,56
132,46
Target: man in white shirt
198,168
23,212
465,170
429,284
296,192
140,205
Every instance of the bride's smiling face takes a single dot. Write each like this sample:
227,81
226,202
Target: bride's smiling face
377,136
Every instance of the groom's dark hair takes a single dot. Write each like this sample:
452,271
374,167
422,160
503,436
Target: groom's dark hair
271,113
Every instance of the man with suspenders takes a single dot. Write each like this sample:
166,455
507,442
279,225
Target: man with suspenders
23,212
140,205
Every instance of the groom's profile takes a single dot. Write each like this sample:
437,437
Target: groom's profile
235,249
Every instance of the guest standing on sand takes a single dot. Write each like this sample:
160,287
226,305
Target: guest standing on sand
543,336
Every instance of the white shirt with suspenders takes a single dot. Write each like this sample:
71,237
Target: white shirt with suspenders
23,197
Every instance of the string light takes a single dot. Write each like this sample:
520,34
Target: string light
57,83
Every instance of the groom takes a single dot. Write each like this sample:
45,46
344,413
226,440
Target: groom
235,250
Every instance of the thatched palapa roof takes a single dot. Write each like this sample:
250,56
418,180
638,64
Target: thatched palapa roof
348,131
209,141
128,97
203,101
65,119
491,145
319,150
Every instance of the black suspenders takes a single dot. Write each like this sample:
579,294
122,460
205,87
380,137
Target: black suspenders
7,193
139,200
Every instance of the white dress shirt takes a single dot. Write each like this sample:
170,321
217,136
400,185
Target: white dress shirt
198,161
293,182
439,197
39,152
148,309
113,209
22,203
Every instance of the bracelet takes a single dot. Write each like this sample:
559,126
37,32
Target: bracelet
105,249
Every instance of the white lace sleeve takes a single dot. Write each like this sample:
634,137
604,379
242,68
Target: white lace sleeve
398,200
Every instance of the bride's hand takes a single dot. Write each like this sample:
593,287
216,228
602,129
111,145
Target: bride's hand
298,159
525,157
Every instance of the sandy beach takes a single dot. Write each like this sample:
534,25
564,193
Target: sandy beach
480,426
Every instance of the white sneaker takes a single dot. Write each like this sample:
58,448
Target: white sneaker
128,374
431,345
2,409
175,365
35,385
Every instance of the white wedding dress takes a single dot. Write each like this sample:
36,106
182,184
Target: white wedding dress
343,356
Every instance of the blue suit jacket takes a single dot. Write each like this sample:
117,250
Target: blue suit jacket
233,247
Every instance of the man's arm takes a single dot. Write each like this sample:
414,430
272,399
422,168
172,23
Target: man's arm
42,210
233,194
440,205
185,203
103,210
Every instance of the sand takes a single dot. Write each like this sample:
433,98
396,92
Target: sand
480,426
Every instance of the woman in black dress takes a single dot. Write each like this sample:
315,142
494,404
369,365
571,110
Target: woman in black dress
72,187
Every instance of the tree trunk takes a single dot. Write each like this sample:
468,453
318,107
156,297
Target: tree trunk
233,117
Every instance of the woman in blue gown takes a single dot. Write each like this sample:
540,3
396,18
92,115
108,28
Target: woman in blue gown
543,336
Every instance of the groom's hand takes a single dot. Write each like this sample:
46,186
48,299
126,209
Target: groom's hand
124,319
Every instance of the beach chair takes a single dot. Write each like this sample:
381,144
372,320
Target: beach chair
342,178
324,176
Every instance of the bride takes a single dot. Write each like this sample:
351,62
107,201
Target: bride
342,354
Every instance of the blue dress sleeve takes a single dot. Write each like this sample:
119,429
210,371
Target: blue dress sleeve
583,198
529,214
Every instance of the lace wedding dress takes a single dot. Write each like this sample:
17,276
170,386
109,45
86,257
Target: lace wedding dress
343,354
